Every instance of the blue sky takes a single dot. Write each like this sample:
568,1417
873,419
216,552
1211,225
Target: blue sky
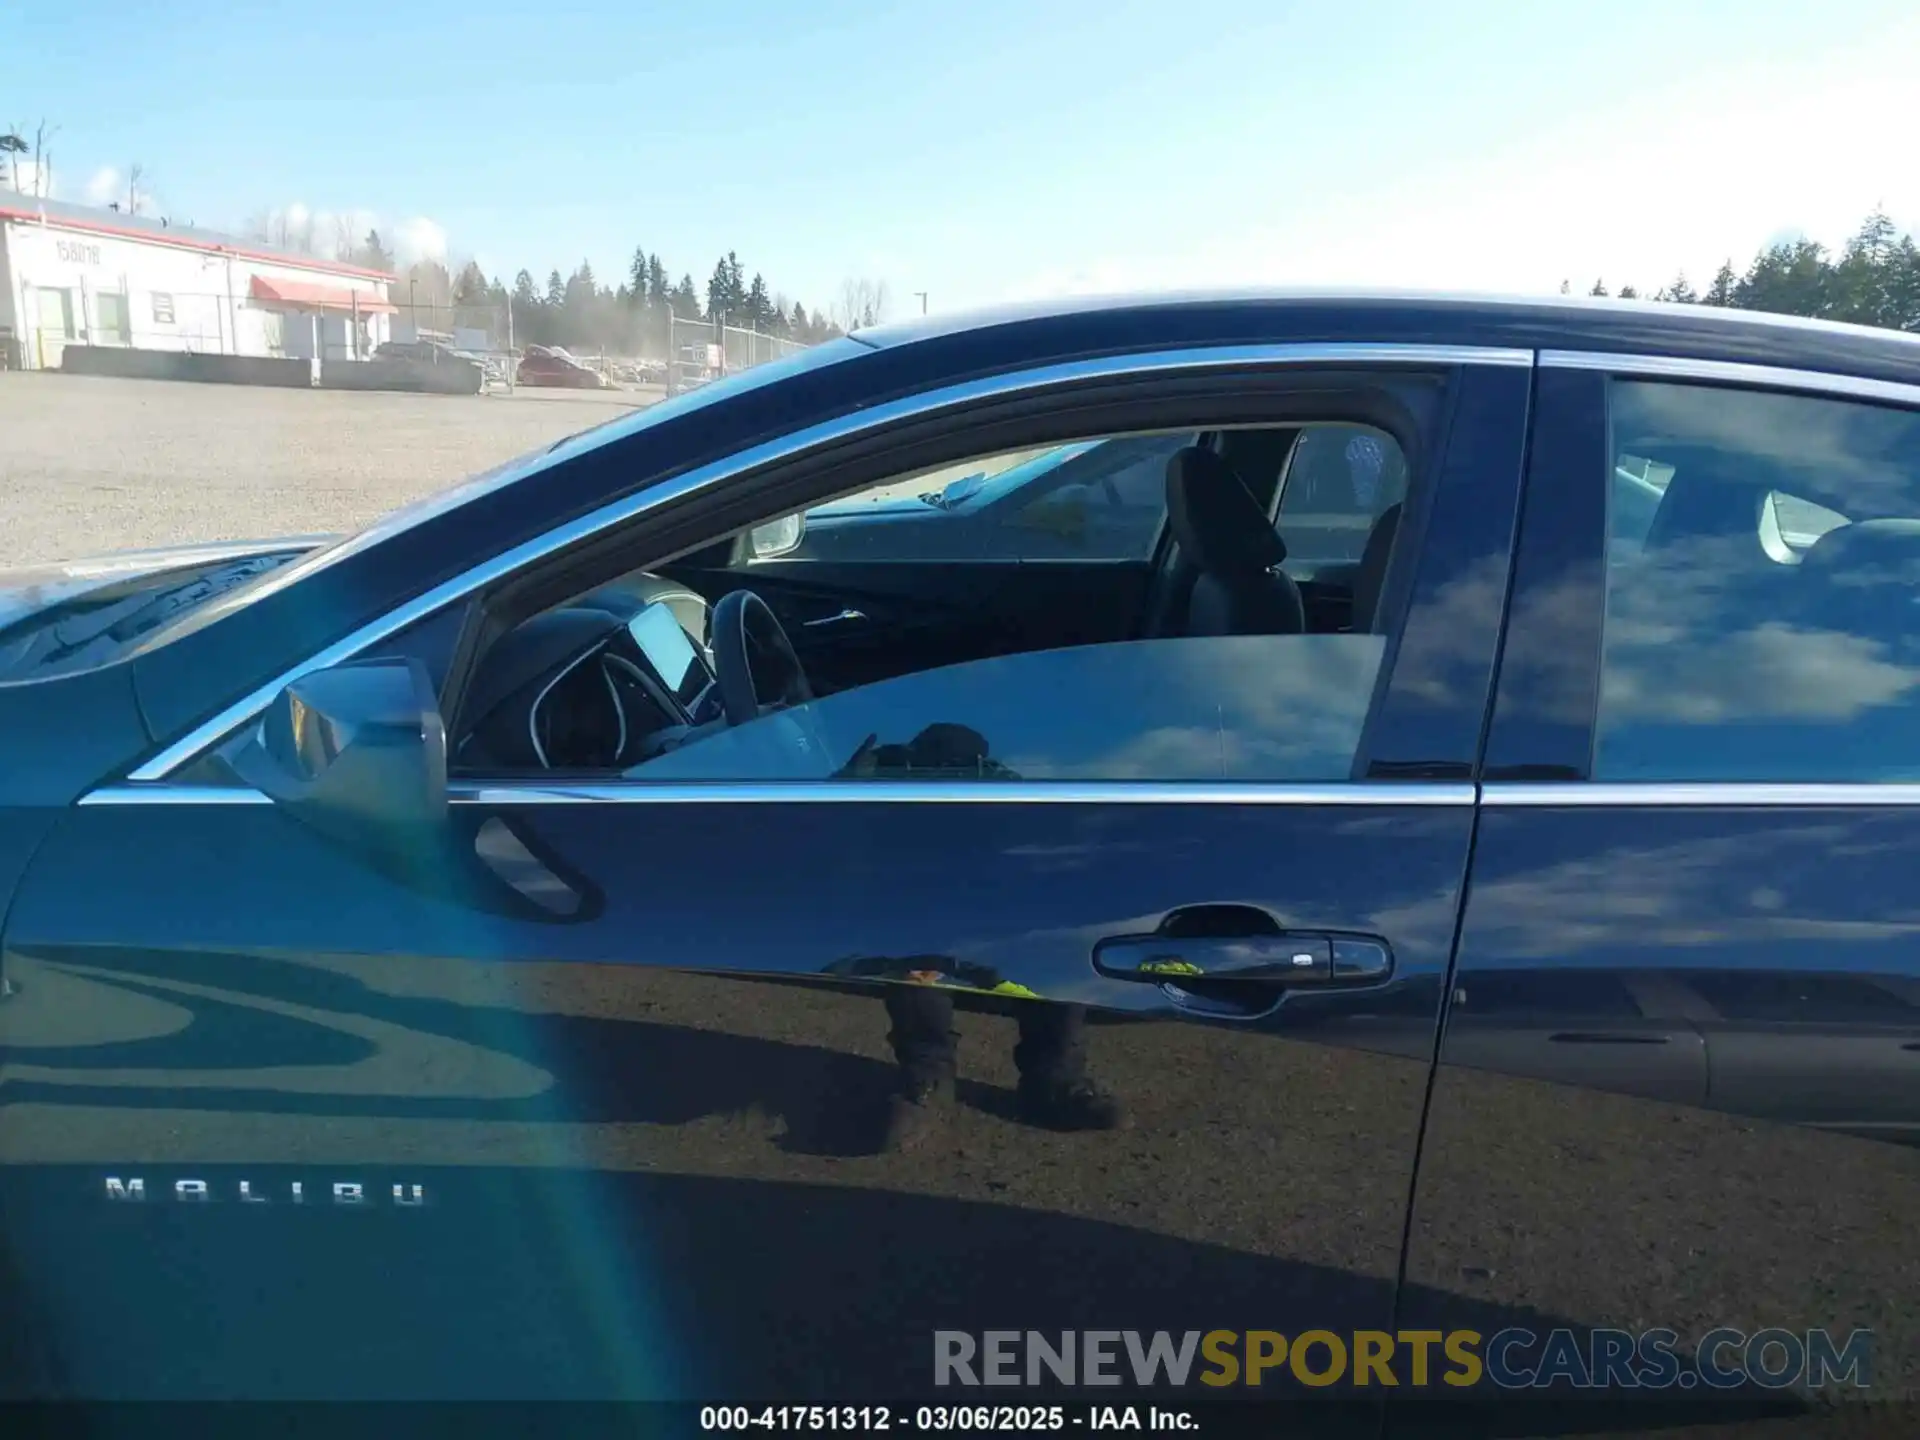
1002,149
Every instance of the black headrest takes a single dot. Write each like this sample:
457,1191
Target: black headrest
1215,520
1868,552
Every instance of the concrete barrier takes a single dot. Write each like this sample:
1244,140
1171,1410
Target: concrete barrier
180,365
441,377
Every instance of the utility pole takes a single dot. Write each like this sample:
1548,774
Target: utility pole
923,300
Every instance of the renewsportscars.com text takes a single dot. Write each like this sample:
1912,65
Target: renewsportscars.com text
1512,1359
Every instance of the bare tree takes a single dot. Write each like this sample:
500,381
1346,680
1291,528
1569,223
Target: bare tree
43,159
345,242
862,302
13,147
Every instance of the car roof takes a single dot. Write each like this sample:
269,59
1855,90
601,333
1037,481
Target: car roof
1536,322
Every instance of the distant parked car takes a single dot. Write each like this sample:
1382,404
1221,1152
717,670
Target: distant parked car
550,365
438,352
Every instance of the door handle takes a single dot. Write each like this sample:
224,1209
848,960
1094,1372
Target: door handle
1314,960
843,618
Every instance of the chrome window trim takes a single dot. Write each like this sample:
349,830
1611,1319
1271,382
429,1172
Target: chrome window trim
783,448
1571,794
862,792
1673,795
174,795
1728,372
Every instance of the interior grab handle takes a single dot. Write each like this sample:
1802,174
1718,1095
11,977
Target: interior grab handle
843,618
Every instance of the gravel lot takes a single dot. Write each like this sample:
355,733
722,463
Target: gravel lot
91,464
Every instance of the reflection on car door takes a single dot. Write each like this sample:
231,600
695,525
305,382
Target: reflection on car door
1680,1081
400,1141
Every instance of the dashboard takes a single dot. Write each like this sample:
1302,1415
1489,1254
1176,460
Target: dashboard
601,685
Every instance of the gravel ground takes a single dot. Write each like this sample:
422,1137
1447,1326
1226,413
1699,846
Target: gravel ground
92,464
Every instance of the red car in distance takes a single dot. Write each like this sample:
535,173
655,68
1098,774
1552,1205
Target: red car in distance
550,365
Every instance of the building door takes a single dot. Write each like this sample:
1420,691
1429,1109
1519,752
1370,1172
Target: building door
53,313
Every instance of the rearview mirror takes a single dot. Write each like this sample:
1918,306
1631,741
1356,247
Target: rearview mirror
358,751
776,537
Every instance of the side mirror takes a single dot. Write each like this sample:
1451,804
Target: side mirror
776,537
358,751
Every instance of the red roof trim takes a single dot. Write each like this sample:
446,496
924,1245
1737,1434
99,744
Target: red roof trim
181,242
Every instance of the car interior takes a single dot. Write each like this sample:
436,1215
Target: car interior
1726,522
659,659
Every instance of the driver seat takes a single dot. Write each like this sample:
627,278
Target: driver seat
1225,535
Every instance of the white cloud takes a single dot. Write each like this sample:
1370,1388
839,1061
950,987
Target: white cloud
420,239
1631,189
103,186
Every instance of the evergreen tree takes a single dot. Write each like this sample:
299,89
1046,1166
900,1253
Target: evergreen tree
525,297
636,286
720,297
1599,288
1790,278
684,300
759,309
1566,287
1862,283
470,287
1680,292
556,290
656,282
373,254
1725,283
1627,292
1903,285
798,325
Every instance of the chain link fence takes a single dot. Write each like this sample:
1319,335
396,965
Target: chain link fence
700,351
639,348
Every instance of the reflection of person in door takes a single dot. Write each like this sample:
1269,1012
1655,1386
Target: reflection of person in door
1051,1055
1055,1091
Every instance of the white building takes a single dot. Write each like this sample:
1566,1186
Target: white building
71,274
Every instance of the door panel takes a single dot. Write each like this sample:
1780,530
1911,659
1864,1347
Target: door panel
1746,1158
613,1139
627,1042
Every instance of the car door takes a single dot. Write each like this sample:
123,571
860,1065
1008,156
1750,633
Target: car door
580,1103
1679,1085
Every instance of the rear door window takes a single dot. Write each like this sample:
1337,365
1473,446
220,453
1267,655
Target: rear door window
1760,621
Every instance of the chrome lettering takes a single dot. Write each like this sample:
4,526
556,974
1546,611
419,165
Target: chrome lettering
247,1197
118,1189
349,1192
190,1190
419,1196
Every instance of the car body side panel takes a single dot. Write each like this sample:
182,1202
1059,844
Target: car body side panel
632,1052
648,1178
1679,1081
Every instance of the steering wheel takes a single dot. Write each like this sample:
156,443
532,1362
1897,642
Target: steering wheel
754,663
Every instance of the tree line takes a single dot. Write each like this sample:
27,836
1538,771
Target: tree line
1873,280
631,317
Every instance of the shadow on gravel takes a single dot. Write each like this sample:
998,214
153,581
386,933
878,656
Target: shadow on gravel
520,1285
